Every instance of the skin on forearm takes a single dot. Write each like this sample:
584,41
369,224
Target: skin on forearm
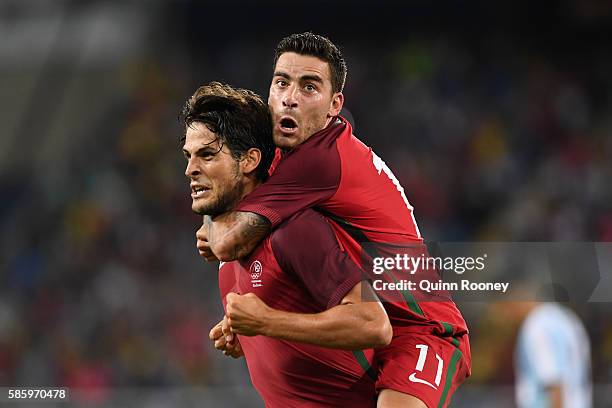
347,326
235,234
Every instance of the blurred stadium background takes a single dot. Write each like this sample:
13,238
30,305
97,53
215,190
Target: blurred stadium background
497,120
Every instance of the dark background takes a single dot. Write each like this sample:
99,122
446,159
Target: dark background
496,118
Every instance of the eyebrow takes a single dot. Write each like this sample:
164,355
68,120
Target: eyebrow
199,151
314,78
281,74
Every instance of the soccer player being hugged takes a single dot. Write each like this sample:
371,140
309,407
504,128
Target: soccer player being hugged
298,308
322,165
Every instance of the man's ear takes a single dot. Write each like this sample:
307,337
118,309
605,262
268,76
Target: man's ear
336,104
250,160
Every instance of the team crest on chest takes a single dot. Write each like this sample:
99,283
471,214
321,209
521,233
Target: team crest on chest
256,270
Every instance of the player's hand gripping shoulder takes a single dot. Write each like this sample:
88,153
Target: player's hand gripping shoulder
231,236
224,340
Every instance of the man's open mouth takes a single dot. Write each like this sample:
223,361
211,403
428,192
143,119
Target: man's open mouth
288,124
198,191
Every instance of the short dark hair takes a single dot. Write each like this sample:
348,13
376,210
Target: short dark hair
238,117
317,46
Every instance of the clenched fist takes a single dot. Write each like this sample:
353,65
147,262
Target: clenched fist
246,314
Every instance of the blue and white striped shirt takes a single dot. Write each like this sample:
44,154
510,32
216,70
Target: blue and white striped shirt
553,349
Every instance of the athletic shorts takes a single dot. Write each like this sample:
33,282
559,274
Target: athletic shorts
426,366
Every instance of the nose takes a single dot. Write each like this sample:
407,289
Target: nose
289,97
192,169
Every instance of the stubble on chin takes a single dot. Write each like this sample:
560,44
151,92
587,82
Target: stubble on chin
286,143
200,210
224,202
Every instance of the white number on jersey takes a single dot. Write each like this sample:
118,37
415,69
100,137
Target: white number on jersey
421,364
381,166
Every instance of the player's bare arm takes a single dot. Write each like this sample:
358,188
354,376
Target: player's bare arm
229,346
231,236
353,324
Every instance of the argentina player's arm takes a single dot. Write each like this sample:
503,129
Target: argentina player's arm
351,316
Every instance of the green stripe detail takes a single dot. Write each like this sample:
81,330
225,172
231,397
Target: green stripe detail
359,236
363,362
450,373
448,329
408,298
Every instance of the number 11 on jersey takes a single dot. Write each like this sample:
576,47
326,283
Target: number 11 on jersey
423,348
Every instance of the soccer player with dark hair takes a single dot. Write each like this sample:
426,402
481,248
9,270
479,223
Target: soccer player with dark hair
323,165
295,307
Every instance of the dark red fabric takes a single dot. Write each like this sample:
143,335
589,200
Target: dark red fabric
307,248
337,174
305,177
314,276
399,367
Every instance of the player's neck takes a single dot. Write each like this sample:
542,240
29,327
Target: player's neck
329,120
250,185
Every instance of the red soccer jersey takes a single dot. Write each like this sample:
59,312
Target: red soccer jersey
289,273
343,178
